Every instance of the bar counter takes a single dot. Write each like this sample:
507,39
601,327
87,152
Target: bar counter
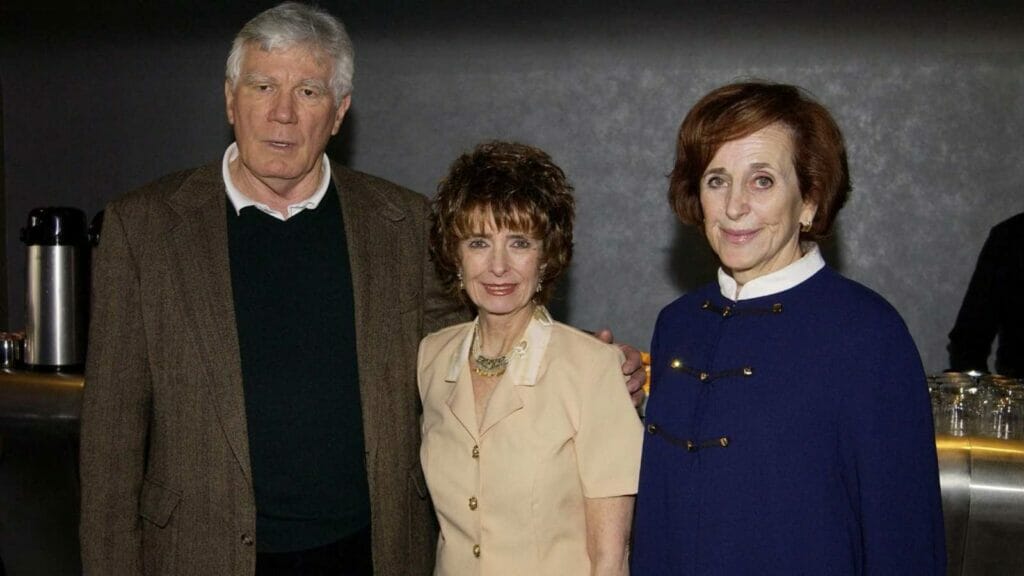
39,414
983,504
982,478
48,401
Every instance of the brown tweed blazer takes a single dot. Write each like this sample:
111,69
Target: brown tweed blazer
165,471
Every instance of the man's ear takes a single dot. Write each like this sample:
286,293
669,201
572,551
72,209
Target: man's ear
229,101
340,114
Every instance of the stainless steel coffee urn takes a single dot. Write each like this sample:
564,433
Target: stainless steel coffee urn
56,289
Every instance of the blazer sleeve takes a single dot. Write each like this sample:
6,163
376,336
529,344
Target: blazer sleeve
115,411
895,480
609,436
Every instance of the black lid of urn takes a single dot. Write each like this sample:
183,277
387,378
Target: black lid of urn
55,226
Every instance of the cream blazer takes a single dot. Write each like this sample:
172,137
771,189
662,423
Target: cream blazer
560,427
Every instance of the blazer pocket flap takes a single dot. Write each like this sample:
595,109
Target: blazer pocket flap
157,502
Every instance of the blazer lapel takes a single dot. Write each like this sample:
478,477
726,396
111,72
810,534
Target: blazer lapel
504,402
370,220
522,371
198,247
461,401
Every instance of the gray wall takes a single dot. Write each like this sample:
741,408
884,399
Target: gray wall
929,96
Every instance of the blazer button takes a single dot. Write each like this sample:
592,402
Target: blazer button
476,451
247,540
472,502
476,550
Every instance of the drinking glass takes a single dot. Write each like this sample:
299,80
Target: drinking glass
1007,416
958,404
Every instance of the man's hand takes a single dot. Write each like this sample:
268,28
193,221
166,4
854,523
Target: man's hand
633,367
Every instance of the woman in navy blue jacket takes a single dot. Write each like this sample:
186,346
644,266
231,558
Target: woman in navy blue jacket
788,429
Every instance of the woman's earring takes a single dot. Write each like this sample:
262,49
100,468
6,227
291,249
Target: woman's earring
540,277
805,227
458,274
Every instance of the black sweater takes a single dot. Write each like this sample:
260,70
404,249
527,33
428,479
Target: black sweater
294,309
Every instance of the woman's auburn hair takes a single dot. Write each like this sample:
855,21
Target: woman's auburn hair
511,186
738,110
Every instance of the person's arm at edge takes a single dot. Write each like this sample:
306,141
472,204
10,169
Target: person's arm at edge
608,443
889,421
115,412
977,322
608,522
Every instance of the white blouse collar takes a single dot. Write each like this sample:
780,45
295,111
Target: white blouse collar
525,365
778,281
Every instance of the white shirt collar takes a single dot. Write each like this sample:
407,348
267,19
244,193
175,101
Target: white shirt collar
240,200
778,281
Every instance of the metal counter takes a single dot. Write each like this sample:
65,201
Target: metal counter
982,478
44,401
39,415
983,504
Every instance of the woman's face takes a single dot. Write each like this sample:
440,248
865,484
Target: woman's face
500,269
752,206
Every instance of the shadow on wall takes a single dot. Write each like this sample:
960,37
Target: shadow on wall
830,248
340,147
560,305
693,264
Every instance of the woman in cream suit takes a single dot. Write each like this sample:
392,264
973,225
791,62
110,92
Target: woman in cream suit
531,446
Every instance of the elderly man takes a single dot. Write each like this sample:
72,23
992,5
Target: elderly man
251,403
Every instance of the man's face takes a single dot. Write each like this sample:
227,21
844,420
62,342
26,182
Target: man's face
283,112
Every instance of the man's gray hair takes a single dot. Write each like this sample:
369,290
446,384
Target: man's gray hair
294,24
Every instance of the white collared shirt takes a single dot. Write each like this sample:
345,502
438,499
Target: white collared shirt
240,200
778,281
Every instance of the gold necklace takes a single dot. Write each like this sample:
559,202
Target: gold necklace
487,366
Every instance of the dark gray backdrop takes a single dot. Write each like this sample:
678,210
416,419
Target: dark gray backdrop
929,95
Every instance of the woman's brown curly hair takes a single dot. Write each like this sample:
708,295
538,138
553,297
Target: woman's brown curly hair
517,186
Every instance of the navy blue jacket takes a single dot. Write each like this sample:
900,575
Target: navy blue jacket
788,434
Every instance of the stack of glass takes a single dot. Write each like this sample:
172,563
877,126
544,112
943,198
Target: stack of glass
972,404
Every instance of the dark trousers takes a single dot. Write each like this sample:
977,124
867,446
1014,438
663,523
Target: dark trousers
350,556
